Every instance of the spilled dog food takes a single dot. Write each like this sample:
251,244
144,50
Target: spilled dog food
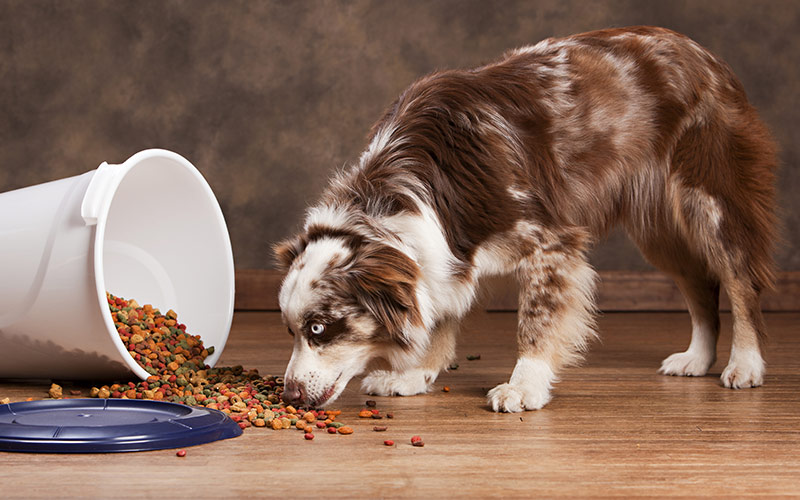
175,360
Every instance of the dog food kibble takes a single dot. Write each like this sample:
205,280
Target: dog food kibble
446,388
417,441
175,360
365,414
379,428
181,453
331,430
5,401
473,357
55,391
389,442
345,430
371,403
308,436
453,366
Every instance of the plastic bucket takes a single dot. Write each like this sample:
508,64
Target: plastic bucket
148,229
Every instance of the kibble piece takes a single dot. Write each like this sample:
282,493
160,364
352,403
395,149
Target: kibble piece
181,453
309,417
308,436
276,423
379,428
371,403
365,414
446,388
345,430
56,391
259,422
5,401
473,357
389,442
331,430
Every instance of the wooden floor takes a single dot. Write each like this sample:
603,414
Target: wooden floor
614,427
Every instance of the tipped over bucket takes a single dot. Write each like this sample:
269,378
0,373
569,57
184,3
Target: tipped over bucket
149,229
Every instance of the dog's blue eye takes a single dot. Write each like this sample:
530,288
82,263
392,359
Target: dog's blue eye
317,328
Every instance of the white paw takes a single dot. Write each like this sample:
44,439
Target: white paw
514,398
744,370
688,364
407,383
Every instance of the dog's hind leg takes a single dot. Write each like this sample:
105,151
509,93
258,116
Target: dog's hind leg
418,379
556,320
723,196
699,285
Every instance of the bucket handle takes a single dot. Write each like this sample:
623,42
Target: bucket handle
101,188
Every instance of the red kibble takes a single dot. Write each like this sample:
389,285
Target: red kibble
331,430
390,415
181,453
389,442
416,441
375,412
243,425
320,425
309,436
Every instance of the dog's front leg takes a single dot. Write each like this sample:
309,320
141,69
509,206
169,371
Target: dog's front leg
417,379
556,319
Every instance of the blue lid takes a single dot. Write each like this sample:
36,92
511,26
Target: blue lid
108,426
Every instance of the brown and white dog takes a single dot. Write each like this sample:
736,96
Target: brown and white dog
516,167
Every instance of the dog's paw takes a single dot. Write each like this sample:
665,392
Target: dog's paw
515,398
687,364
389,383
744,370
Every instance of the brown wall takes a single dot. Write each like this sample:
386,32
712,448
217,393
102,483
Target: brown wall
267,98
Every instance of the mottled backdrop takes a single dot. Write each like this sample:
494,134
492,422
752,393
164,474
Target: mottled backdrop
268,98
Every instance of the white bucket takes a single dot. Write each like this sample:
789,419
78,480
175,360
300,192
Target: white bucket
149,229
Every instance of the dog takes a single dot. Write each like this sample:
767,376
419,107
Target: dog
516,167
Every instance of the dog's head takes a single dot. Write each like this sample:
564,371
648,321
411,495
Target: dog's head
346,300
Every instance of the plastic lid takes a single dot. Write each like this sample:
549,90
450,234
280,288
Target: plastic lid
108,426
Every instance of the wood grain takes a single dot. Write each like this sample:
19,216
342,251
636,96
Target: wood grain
614,428
257,290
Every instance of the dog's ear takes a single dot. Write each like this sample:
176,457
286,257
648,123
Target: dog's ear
384,281
288,250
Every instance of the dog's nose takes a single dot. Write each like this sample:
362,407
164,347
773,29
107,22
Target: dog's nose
292,392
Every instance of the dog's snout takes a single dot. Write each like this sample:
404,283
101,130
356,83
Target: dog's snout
292,392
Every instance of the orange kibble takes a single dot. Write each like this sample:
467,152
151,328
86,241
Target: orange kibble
131,393
309,417
365,414
345,430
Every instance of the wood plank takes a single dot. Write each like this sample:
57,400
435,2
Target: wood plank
257,290
613,428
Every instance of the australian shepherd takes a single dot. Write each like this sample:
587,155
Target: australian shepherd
516,167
